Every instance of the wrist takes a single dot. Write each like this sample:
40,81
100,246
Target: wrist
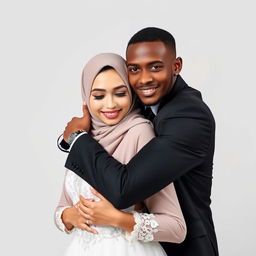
124,221
73,135
117,218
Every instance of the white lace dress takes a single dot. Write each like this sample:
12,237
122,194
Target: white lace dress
109,240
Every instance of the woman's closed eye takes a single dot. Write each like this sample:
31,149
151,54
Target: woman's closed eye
98,97
120,94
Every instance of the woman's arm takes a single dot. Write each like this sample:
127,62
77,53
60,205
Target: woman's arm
164,223
64,203
67,216
103,213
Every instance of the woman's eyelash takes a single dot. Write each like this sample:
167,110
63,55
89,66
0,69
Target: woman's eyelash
121,94
98,97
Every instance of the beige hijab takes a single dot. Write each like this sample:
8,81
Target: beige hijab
113,138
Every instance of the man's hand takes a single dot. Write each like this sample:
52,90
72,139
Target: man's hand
78,123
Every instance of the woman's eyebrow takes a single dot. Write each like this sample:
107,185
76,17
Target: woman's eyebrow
98,89
120,86
103,90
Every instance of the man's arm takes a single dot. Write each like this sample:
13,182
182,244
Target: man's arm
181,145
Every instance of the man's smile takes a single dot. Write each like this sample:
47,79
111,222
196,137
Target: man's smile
147,91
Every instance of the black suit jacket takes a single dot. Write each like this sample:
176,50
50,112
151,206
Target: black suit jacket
182,152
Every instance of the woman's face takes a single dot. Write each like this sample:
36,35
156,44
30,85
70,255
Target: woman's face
109,100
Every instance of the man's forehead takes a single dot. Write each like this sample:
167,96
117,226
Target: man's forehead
146,52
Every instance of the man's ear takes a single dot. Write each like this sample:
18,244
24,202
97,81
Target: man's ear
177,66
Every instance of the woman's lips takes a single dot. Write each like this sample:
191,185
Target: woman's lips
111,114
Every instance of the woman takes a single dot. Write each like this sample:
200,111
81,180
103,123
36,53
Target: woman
119,128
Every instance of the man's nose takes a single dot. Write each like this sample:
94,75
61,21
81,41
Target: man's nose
145,78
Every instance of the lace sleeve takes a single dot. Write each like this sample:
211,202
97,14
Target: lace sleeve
144,228
166,209
165,223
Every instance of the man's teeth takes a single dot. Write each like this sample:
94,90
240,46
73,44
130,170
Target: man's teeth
148,91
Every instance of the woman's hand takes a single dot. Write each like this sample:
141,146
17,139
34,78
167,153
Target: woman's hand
72,218
101,213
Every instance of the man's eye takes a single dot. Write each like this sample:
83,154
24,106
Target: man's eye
133,69
156,67
120,94
98,97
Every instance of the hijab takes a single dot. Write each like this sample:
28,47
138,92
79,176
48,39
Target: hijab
113,138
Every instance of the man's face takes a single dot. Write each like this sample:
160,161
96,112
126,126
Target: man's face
152,69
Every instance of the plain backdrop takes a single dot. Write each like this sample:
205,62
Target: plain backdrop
44,46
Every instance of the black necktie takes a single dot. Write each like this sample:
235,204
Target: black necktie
148,113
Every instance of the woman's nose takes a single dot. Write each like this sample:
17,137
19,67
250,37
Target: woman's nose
110,102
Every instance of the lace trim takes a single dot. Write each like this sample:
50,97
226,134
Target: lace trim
144,228
58,220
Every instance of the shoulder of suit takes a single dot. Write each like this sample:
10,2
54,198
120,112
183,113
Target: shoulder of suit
187,102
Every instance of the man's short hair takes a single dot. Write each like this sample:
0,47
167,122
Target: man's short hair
152,34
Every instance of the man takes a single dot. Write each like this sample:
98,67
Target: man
182,151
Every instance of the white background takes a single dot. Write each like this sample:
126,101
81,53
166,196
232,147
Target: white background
44,45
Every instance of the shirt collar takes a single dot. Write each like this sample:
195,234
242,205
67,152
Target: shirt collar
154,108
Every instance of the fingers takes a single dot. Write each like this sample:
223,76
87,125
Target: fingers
85,212
87,228
73,119
87,202
85,110
99,195
77,205
86,199
70,123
